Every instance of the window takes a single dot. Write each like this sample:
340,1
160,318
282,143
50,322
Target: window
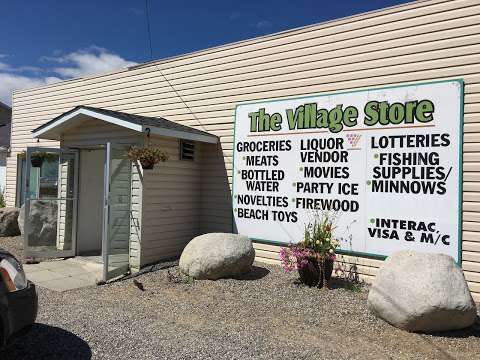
187,150
43,180
48,181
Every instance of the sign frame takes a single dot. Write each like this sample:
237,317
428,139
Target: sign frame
461,83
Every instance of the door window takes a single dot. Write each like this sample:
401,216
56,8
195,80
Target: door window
50,202
43,180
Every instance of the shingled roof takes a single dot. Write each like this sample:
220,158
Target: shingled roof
157,125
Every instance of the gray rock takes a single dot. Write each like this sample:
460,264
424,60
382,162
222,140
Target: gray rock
9,222
217,255
422,292
43,222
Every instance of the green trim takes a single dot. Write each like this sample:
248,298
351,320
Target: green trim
349,252
269,242
361,254
339,251
234,229
460,172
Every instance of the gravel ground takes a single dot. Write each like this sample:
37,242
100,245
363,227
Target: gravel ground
14,245
265,315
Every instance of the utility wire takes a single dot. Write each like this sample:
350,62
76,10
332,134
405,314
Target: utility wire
149,33
147,13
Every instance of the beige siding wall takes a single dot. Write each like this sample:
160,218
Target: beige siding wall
136,218
421,41
216,200
65,209
171,204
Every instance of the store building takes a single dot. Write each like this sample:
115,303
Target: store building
191,100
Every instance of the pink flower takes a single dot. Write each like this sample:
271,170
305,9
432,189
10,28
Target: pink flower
295,257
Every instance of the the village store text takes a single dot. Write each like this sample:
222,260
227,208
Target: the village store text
386,161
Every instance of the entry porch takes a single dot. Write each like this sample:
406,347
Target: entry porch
87,198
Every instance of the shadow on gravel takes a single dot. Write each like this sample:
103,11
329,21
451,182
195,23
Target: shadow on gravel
338,283
47,342
257,273
472,331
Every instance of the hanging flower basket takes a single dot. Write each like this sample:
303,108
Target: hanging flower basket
147,156
36,161
38,157
147,165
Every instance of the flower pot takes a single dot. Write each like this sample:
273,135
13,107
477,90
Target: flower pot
36,161
311,274
328,271
147,165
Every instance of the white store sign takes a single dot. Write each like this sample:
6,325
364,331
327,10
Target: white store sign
387,162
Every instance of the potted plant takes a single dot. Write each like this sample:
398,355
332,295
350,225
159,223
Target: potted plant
148,156
313,257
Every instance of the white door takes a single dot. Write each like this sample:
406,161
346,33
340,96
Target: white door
50,202
117,212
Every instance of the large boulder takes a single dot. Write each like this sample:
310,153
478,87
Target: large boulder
43,216
422,292
217,255
9,222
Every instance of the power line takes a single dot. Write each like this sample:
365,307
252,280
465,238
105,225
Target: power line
149,33
147,13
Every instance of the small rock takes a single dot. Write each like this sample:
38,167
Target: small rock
9,222
217,255
422,292
139,285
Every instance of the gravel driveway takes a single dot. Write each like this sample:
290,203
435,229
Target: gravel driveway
265,315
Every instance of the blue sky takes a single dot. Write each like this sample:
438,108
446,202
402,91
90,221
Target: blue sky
46,41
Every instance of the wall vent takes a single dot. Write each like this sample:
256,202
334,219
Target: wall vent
187,150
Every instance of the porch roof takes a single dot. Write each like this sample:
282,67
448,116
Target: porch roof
54,128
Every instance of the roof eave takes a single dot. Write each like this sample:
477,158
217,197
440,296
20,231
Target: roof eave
212,139
37,133
47,131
